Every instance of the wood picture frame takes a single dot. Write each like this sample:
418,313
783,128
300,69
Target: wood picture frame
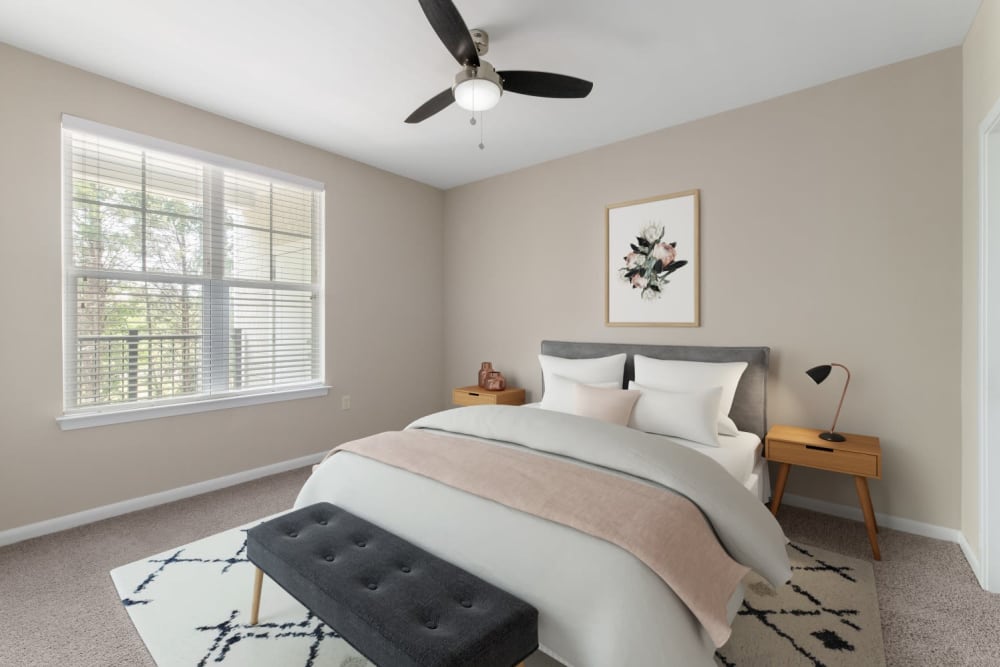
652,262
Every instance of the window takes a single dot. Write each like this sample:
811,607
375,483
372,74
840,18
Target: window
188,277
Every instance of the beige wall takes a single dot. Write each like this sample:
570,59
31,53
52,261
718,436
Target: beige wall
378,322
980,92
830,232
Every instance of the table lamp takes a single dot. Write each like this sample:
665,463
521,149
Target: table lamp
818,374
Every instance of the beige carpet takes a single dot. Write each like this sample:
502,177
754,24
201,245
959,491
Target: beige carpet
827,615
933,610
58,605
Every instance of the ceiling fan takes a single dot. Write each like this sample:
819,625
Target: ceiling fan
478,86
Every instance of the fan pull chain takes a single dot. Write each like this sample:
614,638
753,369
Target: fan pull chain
482,132
472,121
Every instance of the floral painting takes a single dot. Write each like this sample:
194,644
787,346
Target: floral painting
652,261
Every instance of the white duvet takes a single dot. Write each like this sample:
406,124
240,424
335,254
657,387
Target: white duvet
598,605
739,454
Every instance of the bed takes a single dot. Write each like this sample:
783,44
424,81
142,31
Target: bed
599,603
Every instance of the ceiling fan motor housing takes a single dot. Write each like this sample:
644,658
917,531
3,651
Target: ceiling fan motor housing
481,39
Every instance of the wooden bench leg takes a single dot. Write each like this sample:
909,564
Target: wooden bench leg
258,580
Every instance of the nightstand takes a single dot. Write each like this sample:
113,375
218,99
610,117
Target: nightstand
859,456
478,396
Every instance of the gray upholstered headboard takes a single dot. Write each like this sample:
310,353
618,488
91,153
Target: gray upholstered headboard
750,404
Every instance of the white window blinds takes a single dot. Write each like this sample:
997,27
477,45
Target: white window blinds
186,278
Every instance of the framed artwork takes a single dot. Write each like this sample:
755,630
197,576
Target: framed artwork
652,262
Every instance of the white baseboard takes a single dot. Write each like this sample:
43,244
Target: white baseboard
887,520
973,560
143,502
124,507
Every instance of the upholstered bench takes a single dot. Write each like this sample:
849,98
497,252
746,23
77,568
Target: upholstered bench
397,604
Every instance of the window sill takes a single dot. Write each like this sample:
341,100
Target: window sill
72,421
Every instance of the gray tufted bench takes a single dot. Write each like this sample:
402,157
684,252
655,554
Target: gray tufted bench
395,603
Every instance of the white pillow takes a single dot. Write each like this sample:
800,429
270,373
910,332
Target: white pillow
674,375
691,415
560,393
586,371
607,404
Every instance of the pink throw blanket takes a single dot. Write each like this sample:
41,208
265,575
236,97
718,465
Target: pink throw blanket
664,530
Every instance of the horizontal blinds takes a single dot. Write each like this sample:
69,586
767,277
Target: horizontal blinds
184,279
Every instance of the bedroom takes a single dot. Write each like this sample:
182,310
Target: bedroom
839,222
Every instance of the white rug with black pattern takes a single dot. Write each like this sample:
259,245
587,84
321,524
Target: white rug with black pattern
827,616
191,606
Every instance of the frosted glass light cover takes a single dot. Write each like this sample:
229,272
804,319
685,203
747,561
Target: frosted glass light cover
477,94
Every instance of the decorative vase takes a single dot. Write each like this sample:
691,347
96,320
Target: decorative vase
495,381
485,370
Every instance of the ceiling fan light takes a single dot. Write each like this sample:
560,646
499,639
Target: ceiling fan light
477,94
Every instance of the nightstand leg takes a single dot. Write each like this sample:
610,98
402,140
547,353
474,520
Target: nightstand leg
779,487
866,506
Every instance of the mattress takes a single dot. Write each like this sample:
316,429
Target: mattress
738,454
759,482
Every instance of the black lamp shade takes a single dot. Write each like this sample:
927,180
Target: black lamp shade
819,373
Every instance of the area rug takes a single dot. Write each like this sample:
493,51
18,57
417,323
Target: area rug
826,617
191,606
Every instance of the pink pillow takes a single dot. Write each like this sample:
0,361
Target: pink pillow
606,404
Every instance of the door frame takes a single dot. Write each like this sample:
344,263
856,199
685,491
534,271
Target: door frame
988,372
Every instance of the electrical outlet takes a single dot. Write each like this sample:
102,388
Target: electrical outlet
345,402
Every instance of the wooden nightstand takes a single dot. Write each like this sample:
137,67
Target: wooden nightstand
858,455
478,396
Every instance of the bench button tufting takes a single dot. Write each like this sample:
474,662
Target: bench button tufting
293,534
372,587
431,625
466,604
361,544
405,568
329,558
322,522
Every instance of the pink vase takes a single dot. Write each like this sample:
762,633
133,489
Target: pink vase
495,381
484,370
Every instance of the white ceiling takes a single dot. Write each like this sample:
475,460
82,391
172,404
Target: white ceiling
343,74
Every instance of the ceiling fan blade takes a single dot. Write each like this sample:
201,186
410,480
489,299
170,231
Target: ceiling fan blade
432,106
544,84
450,27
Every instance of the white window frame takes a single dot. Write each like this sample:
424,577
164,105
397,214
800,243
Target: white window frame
221,397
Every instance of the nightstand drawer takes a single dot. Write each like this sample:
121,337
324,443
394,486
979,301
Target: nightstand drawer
479,396
826,458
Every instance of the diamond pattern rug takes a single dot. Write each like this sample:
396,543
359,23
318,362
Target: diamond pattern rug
191,606
827,616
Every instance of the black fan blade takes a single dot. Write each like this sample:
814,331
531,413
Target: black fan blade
544,84
450,27
432,106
